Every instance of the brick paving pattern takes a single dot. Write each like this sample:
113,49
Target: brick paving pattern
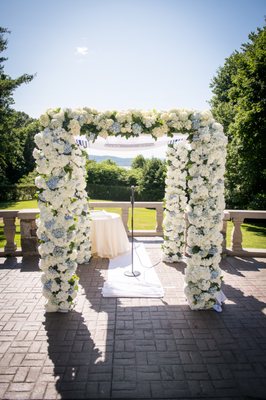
133,348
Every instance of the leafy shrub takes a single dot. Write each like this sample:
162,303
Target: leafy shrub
110,192
17,192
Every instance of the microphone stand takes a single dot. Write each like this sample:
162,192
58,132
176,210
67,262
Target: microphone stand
132,272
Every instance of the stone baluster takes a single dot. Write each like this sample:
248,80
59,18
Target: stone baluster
223,232
28,227
9,232
236,238
226,218
125,217
159,220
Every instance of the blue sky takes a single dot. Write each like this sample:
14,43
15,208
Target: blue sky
121,54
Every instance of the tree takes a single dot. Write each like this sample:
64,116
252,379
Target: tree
153,180
239,102
29,145
7,84
138,162
14,126
105,173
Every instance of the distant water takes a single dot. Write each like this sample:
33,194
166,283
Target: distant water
122,162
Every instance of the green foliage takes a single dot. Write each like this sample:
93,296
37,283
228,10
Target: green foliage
17,192
134,177
16,128
7,84
17,148
239,102
109,192
258,202
152,185
29,145
109,173
29,179
106,180
105,173
138,162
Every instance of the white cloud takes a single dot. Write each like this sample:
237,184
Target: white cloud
83,51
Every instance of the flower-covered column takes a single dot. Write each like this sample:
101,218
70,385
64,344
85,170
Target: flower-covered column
83,233
175,202
63,206
205,213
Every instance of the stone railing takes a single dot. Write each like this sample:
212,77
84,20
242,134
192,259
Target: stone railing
125,206
238,217
29,241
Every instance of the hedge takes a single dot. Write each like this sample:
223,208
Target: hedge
20,192
17,192
115,193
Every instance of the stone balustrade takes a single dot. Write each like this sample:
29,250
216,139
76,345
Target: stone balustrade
29,241
125,206
238,217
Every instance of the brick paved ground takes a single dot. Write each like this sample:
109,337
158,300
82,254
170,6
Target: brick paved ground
133,348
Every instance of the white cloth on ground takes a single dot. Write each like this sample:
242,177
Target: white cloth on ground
147,284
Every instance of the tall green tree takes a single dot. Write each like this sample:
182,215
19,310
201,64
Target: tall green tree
239,103
152,185
138,162
109,173
14,126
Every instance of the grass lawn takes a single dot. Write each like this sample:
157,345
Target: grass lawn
254,235
18,205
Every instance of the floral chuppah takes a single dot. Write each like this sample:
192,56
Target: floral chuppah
194,183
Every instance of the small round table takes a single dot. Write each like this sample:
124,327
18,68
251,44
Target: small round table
108,235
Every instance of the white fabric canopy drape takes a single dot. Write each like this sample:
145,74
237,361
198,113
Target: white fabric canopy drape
118,146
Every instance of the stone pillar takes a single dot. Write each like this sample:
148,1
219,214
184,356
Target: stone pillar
226,218
29,240
236,238
10,231
159,220
223,232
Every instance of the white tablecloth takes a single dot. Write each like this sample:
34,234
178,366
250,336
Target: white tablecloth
108,235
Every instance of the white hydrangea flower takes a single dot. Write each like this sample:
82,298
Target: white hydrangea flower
44,120
74,127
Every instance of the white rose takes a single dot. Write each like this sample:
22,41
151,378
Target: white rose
62,267
44,120
64,305
183,115
40,182
62,296
55,287
74,127
65,286
103,133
